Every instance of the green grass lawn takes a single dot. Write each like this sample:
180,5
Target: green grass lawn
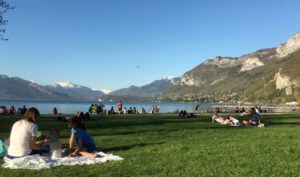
164,145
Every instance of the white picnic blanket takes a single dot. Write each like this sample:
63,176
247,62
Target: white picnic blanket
37,162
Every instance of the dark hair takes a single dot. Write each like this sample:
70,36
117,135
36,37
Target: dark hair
78,122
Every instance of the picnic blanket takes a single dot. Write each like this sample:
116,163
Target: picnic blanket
37,162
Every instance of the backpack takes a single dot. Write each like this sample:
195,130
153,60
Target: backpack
2,149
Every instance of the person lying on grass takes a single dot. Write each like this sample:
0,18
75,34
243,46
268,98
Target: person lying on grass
85,143
226,120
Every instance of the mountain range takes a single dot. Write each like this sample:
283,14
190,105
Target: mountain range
264,76
150,90
74,91
14,88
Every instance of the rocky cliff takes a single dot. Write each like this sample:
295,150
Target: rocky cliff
269,75
292,45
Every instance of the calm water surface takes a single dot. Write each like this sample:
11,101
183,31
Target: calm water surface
165,107
74,107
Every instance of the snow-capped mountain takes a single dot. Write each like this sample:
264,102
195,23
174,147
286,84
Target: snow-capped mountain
105,91
65,85
15,88
74,90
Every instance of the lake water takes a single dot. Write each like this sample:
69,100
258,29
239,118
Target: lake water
74,107
165,107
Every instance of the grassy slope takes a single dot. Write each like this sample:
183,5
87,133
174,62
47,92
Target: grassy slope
167,146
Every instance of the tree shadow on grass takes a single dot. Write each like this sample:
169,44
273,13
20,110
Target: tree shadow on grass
127,147
270,123
164,130
144,122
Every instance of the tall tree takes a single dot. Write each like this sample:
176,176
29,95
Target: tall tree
4,7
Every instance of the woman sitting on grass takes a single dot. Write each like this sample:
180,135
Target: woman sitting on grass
23,137
85,143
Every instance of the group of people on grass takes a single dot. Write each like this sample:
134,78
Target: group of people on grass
25,139
120,109
185,114
100,109
229,120
238,109
12,110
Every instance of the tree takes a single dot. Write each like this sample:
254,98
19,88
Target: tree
4,7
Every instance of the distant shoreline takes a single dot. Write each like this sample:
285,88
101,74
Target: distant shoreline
156,101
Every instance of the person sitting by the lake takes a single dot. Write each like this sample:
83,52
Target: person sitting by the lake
94,109
237,110
246,113
119,106
11,111
215,115
182,113
87,116
243,110
85,143
294,108
125,110
24,137
185,114
143,111
111,111
23,110
54,111
157,108
1,110
99,109
150,110
134,111
197,108
130,110
255,119
5,110
19,111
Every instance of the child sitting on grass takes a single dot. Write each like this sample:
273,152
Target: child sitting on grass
85,143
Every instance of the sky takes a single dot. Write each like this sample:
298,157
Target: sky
113,44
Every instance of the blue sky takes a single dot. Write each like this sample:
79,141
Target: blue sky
117,43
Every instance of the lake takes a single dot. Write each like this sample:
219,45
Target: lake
74,107
165,107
